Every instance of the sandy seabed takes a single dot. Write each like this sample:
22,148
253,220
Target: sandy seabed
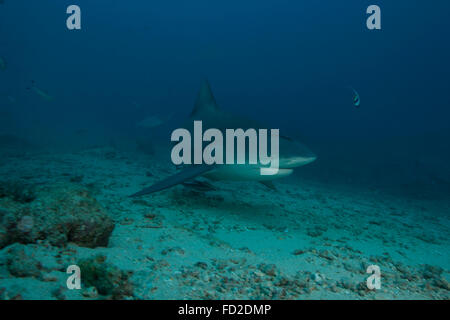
307,240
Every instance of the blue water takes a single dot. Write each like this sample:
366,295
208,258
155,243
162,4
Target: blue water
287,63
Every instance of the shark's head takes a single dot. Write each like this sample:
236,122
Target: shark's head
293,153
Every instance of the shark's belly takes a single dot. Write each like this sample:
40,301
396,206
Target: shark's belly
244,173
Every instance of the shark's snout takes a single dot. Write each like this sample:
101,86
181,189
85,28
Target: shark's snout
296,161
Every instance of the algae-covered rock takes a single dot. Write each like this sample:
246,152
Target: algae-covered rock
60,214
20,264
17,190
107,279
3,228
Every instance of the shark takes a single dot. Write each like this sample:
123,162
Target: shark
43,94
292,153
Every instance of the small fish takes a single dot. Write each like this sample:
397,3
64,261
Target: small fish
150,122
356,98
2,63
153,121
44,95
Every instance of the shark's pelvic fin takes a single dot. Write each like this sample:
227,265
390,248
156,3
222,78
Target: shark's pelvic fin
188,173
269,184
205,100
201,186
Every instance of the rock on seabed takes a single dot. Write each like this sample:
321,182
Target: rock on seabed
61,213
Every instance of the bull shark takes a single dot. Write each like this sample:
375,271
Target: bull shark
292,153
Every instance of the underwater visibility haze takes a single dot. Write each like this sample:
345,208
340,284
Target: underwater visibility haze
89,105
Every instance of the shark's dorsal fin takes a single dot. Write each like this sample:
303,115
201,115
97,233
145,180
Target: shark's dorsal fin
205,100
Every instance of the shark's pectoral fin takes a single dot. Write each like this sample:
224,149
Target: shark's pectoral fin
187,173
269,184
